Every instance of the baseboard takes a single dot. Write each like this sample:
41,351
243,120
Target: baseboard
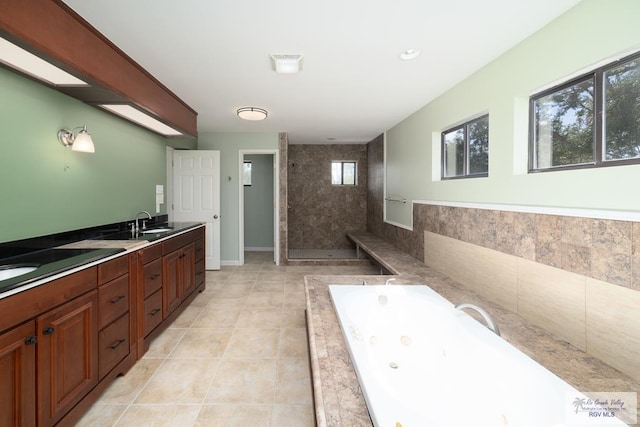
233,262
257,249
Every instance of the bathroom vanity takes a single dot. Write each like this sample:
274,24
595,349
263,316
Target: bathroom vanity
80,319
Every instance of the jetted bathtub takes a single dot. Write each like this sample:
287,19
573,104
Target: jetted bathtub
420,362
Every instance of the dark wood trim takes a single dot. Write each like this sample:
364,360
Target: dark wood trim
53,31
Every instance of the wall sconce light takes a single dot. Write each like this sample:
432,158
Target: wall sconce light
78,141
252,113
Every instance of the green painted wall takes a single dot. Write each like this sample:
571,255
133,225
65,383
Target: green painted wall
229,145
46,188
592,31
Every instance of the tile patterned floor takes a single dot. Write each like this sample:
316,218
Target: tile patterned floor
237,356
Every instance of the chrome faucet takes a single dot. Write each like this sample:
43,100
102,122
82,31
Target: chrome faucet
144,222
493,326
388,282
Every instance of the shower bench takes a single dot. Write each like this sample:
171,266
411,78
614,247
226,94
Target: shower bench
389,258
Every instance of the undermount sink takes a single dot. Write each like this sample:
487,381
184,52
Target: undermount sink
10,271
156,230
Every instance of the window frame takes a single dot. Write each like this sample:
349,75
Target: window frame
465,161
355,173
598,80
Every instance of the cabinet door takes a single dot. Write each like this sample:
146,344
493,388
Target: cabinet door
171,282
18,376
67,356
188,263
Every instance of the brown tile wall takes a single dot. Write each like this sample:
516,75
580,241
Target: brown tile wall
607,250
320,214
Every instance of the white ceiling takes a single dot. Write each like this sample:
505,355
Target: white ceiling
214,54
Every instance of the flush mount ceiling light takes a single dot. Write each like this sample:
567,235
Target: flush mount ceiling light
28,63
130,113
78,141
409,54
252,113
287,64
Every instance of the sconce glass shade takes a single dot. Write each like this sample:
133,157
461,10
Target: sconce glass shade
252,113
80,141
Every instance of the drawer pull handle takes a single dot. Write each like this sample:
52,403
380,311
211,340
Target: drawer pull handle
31,340
48,330
118,298
154,276
154,311
117,344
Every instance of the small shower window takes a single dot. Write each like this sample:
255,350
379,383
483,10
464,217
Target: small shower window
246,173
343,172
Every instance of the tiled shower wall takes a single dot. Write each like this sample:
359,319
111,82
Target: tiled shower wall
320,214
607,250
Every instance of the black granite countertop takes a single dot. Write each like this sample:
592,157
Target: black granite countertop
57,253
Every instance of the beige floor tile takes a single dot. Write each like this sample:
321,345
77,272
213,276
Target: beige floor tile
227,302
244,381
213,316
231,415
260,318
294,317
126,388
293,381
202,343
186,318
293,342
268,286
180,381
231,290
294,299
201,300
159,416
265,299
102,416
253,342
162,345
293,416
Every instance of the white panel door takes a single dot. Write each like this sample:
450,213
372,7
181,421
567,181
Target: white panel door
196,197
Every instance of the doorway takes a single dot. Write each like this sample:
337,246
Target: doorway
259,202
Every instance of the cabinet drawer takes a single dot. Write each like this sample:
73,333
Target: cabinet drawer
176,242
113,300
109,270
150,253
152,277
152,312
113,345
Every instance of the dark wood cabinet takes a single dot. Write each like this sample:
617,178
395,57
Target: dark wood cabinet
63,342
67,356
114,304
18,376
171,278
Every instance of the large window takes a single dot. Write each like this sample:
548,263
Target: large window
343,173
593,120
465,149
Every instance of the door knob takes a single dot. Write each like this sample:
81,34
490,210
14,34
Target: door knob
215,217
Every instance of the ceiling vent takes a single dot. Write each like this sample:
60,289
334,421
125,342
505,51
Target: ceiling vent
287,64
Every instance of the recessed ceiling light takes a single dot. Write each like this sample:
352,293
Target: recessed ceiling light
409,54
287,64
28,63
252,113
143,119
